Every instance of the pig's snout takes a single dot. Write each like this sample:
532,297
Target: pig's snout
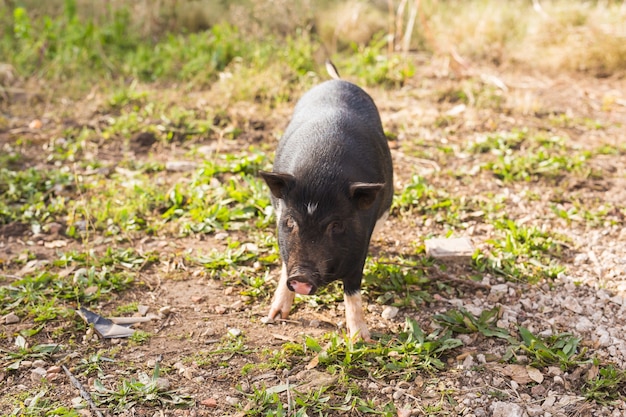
302,284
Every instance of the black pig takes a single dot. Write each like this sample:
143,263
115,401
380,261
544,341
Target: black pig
331,183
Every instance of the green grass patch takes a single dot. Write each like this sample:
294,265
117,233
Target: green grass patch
519,156
522,253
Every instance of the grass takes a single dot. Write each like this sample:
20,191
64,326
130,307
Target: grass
201,95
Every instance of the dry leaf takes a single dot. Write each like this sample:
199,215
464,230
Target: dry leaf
314,362
517,373
593,372
534,374
404,412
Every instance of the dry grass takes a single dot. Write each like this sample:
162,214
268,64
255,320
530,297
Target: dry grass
587,36
557,35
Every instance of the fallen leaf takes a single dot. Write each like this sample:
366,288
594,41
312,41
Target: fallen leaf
517,373
402,412
534,374
313,363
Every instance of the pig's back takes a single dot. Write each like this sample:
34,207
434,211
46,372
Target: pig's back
335,135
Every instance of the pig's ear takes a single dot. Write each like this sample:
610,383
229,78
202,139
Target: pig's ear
279,183
364,193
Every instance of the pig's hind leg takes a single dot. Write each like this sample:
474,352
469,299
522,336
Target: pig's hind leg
283,297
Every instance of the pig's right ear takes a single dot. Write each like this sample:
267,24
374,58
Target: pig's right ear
279,183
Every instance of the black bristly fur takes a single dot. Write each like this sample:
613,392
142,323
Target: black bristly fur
335,156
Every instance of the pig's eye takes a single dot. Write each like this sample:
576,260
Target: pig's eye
336,227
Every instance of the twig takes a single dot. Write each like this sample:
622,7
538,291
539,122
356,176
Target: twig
461,281
83,392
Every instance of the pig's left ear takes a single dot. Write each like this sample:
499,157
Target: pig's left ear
364,193
279,183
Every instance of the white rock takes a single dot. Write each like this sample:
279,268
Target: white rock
534,410
38,374
11,318
498,292
232,401
234,332
389,312
572,304
583,324
502,409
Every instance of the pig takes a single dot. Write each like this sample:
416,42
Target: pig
331,186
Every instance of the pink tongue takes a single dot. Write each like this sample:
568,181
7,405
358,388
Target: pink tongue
301,287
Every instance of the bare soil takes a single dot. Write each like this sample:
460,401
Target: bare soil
422,118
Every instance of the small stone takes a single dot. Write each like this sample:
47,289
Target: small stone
237,305
502,409
267,320
468,363
26,364
398,394
143,310
386,390
165,311
234,332
558,380
162,384
220,309
498,292
480,412
232,401
315,323
572,304
77,402
583,324
54,369
549,401
37,374
11,318
534,410
39,363
451,249
389,312
209,402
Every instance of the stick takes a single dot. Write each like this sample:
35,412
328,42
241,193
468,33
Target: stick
83,392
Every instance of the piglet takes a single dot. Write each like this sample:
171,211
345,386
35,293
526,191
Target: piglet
331,185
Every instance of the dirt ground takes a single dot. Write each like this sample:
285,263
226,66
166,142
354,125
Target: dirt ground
423,119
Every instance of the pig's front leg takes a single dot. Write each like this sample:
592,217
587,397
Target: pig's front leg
283,298
355,320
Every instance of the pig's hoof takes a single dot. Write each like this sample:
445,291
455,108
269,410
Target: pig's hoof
361,333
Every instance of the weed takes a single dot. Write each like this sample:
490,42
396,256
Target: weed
25,352
522,253
608,386
400,357
146,390
399,282
561,349
462,321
